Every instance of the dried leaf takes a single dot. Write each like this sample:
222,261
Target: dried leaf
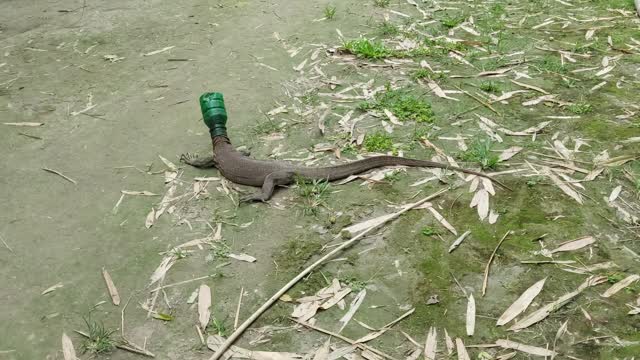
521,304
461,350
471,315
115,297
161,270
546,310
459,240
615,193
204,306
355,304
442,220
52,288
533,350
574,244
169,164
481,200
68,351
151,218
438,91
430,346
565,188
215,342
509,153
620,285
448,342
29,124
323,351
243,257
138,193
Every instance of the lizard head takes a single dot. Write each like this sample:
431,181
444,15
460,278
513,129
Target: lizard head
214,113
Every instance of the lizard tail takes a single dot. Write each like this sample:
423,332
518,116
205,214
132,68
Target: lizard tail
342,171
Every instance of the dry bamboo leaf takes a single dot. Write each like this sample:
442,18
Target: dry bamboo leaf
565,188
355,304
430,346
278,110
471,315
530,87
392,118
52,288
615,193
215,342
438,91
459,240
539,100
138,193
522,303
481,200
151,218
204,306
448,342
620,285
166,264
336,298
323,351
546,310
442,220
243,257
113,292
575,244
509,153
493,217
533,350
461,350
507,95
28,124
415,354
169,164
68,351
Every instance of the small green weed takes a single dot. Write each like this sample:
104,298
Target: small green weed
99,340
313,194
354,283
552,64
392,177
615,277
580,108
497,10
368,49
420,132
490,86
386,28
480,152
450,21
221,251
402,104
535,180
381,3
428,231
330,12
218,327
266,127
378,142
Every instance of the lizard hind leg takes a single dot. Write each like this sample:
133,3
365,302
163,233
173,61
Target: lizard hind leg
270,182
195,161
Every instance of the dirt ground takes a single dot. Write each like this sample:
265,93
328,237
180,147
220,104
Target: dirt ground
115,85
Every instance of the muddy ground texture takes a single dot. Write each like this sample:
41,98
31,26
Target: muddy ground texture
542,95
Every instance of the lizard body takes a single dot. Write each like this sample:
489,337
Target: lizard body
244,170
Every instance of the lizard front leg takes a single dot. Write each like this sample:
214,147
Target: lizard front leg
195,161
270,182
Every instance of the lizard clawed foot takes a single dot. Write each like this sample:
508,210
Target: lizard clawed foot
188,158
252,198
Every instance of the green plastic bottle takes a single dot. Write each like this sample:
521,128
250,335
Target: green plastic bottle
214,113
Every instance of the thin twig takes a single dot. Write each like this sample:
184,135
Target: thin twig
182,282
486,104
242,328
343,338
235,322
486,270
5,244
61,174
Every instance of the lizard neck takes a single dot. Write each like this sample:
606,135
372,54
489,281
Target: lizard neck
218,140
